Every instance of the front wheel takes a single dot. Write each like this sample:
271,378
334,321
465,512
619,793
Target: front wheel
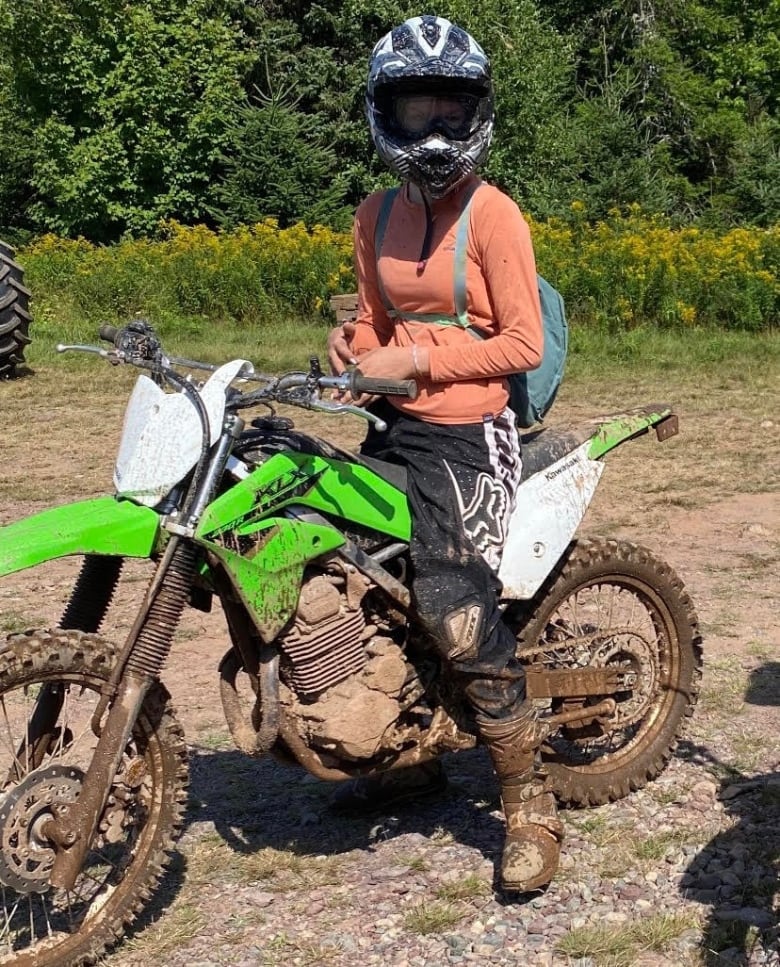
50,685
612,604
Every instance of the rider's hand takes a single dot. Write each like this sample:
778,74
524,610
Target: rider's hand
394,362
339,352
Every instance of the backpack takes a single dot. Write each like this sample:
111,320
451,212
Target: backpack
531,394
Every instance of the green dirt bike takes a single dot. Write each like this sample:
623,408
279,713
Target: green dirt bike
305,547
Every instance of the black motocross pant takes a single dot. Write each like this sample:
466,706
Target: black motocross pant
462,481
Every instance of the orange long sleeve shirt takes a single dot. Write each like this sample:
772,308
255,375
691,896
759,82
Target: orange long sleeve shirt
466,381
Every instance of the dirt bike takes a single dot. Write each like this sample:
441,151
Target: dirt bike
305,547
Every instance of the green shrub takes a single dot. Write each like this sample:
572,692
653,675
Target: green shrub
634,270
627,272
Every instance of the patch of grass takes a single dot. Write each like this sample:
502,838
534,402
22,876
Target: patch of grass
285,869
664,795
725,623
283,950
467,888
619,946
416,863
749,749
12,621
724,686
431,917
655,847
181,923
209,859
597,828
214,739
441,836
762,650
646,353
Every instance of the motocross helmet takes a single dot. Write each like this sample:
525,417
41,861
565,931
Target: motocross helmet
429,102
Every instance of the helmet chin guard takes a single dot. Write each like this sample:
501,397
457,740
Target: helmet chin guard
430,57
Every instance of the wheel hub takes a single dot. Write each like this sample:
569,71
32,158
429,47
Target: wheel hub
634,654
26,856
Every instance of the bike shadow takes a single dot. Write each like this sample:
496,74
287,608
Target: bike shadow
256,804
261,803
736,874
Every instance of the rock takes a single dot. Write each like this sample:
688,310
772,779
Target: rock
260,898
704,790
630,892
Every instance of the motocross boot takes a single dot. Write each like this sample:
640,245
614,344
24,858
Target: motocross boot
533,830
390,788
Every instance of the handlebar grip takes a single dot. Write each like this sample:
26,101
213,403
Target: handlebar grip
360,384
108,333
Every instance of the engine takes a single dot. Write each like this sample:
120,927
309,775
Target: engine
348,679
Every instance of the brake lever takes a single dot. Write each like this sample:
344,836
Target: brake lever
332,406
109,354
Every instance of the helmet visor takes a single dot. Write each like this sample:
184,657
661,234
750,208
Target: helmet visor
455,116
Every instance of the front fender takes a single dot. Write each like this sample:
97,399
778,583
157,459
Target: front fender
103,525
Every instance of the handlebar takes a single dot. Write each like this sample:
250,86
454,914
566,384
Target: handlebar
360,385
137,344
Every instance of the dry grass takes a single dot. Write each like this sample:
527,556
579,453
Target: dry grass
621,945
432,917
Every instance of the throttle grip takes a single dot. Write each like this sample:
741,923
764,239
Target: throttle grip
108,333
360,385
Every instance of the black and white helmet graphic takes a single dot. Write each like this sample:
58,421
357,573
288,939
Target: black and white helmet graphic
429,102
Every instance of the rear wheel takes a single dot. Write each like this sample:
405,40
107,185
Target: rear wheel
63,671
612,604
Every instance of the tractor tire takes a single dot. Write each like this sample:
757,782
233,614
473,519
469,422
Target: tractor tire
14,313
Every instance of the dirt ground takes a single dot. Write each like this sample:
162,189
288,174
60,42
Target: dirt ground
707,502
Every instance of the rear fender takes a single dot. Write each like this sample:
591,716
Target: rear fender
550,504
626,426
102,526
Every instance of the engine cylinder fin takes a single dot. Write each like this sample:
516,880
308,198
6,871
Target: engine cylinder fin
325,654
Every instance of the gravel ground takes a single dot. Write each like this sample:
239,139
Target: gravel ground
672,874
681,873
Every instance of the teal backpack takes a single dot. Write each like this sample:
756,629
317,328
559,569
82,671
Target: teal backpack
531,394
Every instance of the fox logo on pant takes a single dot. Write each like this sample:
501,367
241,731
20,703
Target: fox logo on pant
484,516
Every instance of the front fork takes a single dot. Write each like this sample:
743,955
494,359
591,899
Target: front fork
73,824
140,664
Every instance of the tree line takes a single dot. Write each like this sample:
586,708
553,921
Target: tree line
117,115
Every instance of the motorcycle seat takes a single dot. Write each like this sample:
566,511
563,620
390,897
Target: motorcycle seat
539,449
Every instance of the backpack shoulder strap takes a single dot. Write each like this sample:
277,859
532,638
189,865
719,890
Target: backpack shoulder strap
459,274
379,236
461,249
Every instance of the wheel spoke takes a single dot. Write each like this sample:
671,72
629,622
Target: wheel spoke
36,920
613,606
13,745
